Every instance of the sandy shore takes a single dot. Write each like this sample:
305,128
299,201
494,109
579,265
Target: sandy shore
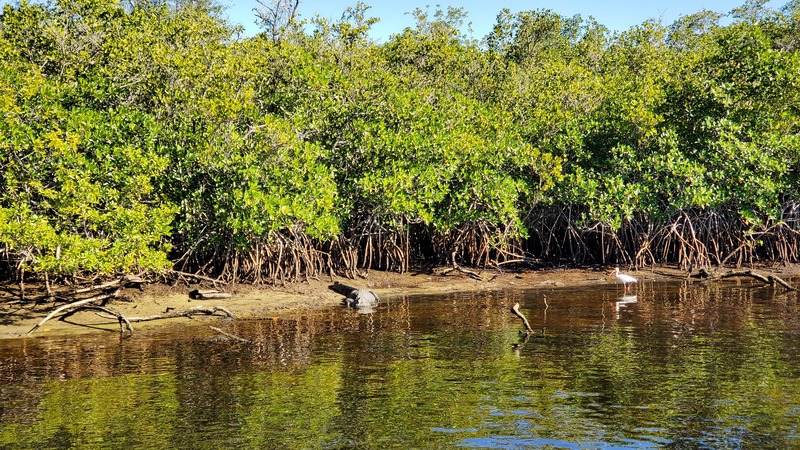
248,301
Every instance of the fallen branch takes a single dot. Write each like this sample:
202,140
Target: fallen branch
782,283
123,322
745,273
454,266
528,261
74,305
188,313
516,311
232,336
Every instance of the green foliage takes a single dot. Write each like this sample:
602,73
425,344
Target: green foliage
79,182
79,196
132,137
274,182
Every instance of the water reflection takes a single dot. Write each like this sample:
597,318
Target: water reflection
681,365
623,302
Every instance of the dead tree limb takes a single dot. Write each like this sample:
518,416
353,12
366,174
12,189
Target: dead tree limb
516,311
123,322
456,267
745,273
782,283
74,305
528,261
197,310
467,272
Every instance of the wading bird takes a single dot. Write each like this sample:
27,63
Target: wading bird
625,279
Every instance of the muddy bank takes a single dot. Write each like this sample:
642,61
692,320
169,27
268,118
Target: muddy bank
248,301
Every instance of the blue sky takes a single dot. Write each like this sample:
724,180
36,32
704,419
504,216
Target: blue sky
616,15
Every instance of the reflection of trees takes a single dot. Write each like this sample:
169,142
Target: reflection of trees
689,359
686,359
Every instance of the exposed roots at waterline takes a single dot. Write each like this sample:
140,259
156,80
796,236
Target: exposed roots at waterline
772,280
554,235
690,239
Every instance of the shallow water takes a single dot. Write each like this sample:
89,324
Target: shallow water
680,365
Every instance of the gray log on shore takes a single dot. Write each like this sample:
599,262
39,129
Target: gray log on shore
209,294
355,297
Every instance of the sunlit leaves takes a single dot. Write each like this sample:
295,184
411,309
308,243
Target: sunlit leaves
80,199
112,115
277,183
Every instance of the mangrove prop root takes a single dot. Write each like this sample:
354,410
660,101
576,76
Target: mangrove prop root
456,267
125,281
769,279
518,313
70,306
197,277
689,238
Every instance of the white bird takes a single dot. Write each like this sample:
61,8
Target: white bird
625,279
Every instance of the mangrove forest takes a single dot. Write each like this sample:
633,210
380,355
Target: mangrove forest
148,136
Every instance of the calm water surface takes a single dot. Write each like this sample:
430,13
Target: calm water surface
679,366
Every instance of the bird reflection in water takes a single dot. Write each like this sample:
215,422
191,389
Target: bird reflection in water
623,302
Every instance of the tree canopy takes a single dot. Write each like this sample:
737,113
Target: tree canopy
150,135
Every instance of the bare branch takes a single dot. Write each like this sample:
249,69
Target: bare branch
188,313
70,306
518,313
275,16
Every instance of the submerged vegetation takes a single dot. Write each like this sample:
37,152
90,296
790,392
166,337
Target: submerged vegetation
151,135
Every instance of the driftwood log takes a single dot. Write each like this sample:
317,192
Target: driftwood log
208,294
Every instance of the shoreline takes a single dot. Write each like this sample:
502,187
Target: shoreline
267,301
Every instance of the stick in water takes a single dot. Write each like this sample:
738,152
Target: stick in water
516,311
